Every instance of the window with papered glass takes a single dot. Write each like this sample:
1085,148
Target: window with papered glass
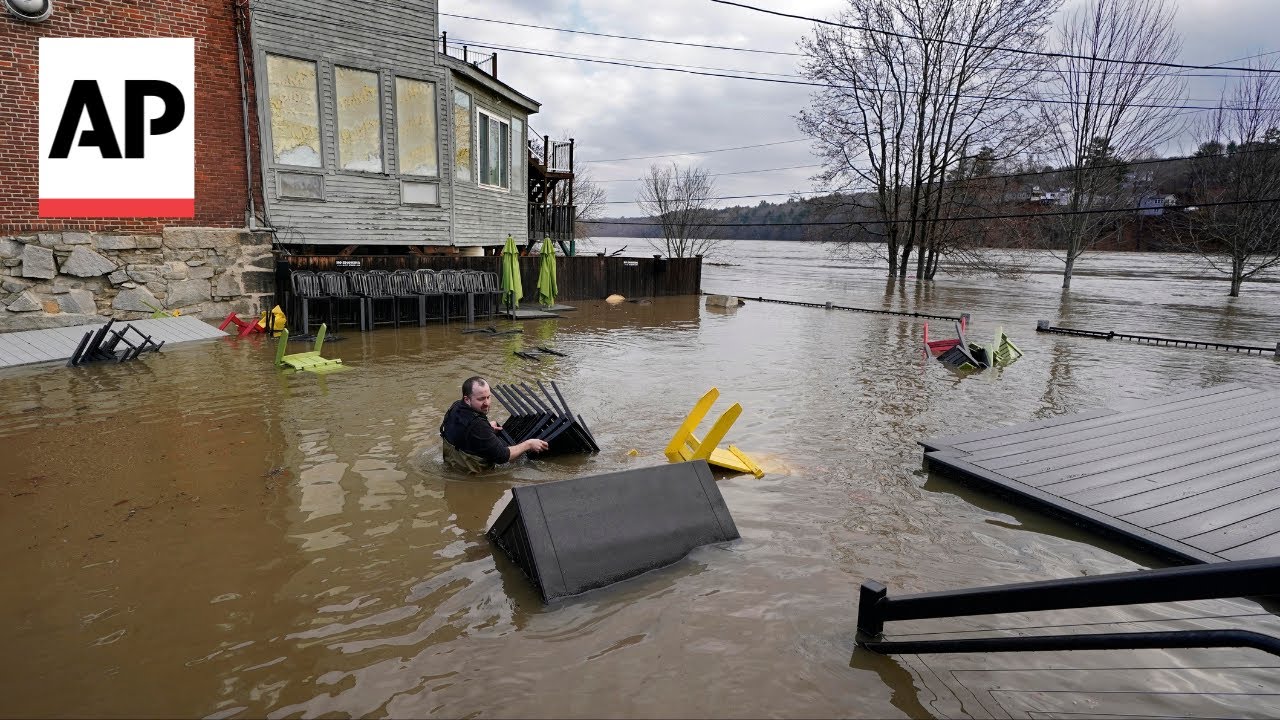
293,104
359,103
461,135
416,127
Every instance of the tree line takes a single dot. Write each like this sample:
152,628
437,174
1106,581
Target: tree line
945,127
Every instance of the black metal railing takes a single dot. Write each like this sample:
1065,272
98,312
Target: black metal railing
484,61
553,221
1044,326
1240,578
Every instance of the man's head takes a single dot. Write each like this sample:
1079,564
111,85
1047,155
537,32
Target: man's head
476,395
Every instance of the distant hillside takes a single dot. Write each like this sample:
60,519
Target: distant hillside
753,217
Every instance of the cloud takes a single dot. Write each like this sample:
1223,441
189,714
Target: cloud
616,112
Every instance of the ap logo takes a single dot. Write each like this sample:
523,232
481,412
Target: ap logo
117,127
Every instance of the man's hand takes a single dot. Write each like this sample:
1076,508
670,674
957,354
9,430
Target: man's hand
528,446
496,427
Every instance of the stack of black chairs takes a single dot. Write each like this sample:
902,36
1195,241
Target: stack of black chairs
100,345
552,421
455,292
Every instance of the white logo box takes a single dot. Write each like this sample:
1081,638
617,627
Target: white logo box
161,183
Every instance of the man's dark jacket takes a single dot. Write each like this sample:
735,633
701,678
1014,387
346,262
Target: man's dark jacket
470,432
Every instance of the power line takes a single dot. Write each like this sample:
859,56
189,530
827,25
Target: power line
794,54
660,65
275,13
1107,166
805,83
953,219
734,197
1004,176
701,152
1019,51
740,172
586,57
620,37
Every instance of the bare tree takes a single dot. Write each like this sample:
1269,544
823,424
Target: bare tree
588,201
1112,108
902,109
980,186
679,201
1235,176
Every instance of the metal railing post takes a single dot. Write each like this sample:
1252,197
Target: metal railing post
871,597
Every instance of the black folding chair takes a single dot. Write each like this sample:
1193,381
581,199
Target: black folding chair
402,288
491,286
306,286
451,284
426,285
337,288
372,287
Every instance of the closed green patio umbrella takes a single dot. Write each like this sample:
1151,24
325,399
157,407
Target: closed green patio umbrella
511,290
547,275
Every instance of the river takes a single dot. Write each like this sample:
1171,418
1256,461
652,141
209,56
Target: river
198,534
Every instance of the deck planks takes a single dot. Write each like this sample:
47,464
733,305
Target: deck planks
1194,476
35,346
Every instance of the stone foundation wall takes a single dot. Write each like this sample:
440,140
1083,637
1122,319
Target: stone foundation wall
57,279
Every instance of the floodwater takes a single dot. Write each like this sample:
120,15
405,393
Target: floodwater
198,534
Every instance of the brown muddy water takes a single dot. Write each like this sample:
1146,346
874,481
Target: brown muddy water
199,534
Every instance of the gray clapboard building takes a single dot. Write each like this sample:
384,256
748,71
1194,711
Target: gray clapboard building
374,136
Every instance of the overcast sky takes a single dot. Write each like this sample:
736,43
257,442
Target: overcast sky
622,112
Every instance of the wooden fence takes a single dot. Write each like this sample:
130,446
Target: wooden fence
581,277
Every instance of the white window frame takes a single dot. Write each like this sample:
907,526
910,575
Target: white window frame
485,116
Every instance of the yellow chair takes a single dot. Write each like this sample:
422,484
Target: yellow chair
686,446
306,360
1004,351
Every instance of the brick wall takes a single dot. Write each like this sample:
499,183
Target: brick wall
219,130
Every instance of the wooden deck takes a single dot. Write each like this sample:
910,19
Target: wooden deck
1194,476
36,346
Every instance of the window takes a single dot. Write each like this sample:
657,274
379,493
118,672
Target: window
495,151
416,127
419,193
295,111
518,152
462,135
359,119
304,186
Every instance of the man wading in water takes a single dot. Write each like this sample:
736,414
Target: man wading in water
471,439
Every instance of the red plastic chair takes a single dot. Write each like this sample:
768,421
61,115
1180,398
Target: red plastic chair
935,348
247,327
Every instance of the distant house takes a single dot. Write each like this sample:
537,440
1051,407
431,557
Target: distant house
1154,205
1060,196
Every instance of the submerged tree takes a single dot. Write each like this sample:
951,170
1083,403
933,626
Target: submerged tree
679,202
1234,180
1112,107
910,87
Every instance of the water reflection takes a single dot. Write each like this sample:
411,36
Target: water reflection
200,534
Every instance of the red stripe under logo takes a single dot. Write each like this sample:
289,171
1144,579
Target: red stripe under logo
117,208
